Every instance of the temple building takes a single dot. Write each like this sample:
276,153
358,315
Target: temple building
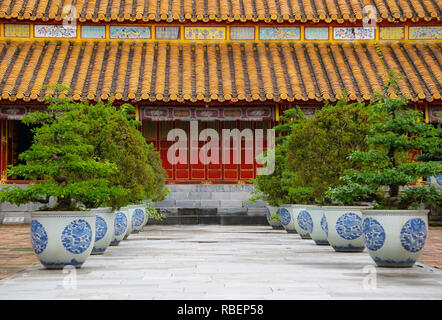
224,63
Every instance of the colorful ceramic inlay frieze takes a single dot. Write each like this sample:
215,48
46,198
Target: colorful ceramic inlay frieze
93,32
309,112
167,33
427,32
315,33
205,33
242,33
353,33
17,30
244,113
391,33
129,32
275,33
55,31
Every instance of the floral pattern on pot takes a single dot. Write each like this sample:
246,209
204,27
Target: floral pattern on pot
413,235
324,224
137,218
120,223
77,236
374,234
100,228
349,226
305,221
39,237
285,216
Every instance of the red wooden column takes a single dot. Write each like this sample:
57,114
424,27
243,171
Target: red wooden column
4,135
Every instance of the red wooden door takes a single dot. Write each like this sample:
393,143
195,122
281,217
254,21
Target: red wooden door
199,172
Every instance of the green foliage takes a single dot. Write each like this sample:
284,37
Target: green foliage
275,188
152,212
86,156
276,217
158,190
382,173
61,162
116,139
318,148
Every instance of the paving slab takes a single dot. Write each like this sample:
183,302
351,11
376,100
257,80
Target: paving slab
205,262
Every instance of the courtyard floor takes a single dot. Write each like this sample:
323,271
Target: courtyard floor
216,262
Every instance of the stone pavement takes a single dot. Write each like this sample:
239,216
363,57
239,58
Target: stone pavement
16,251
224,262
432,253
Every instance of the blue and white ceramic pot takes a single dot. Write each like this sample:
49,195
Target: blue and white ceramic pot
104,229
271,210
344,227
139,218
120,227
435,181
395,238
319,230
302,220
62,238
128,212
286,214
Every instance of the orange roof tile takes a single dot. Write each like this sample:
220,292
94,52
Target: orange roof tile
222,10
171,71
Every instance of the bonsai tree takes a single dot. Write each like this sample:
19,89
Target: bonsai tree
382,173
62,163
158,188
275,188
318,149
116,139
87,155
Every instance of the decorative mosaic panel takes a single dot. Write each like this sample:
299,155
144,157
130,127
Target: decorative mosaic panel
206,114
242,33
435,114
54,31
315,33
16,112
425,33
167,32
353,33
93,32
274,33
130,32
309,112
205,33
17,30
391,33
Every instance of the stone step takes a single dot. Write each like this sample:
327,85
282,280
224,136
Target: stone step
211,219
197,212
209,196
226,203
218,195
239,211
435,221
210,188
15,217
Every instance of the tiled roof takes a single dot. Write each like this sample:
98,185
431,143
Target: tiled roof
170,71
222,10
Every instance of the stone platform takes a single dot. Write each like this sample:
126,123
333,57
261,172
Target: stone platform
212,204
225,204
224,262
